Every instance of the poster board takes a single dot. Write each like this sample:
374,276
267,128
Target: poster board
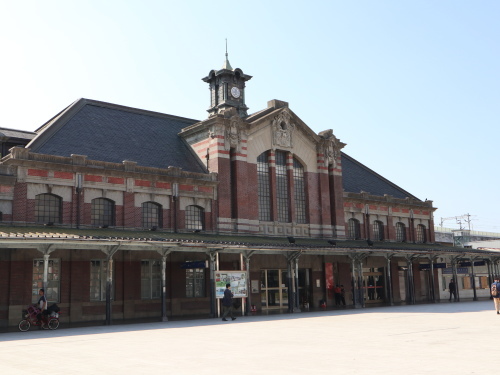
237,279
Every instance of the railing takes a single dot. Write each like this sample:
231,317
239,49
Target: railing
469,232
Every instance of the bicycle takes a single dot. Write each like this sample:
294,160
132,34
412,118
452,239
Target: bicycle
31,318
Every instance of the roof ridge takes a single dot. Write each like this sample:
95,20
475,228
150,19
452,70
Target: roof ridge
99,103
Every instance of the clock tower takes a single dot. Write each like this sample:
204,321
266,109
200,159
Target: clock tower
227,90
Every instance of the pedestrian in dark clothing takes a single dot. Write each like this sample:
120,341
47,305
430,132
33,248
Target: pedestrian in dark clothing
227,303
453,290
496,297
337,294
342,294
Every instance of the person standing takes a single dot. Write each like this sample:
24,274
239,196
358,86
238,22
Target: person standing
495,293
227,303
342,294
453,290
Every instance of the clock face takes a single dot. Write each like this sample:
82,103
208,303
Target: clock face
235,92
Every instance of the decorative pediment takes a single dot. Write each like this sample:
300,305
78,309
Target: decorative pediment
232,136
283,130
330,147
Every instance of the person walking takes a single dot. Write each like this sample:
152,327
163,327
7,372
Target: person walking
453,290
495,293
227,303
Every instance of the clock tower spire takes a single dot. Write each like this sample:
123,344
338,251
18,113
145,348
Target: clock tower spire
227,89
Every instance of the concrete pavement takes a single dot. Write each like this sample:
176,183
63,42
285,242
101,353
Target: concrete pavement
444,338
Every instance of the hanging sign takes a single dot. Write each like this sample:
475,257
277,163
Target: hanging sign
237,279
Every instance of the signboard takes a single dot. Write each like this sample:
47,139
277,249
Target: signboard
237,279
427,266
194,264
469,264
449,270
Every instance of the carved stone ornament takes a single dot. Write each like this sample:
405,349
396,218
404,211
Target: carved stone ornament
233,133
283,130
330,147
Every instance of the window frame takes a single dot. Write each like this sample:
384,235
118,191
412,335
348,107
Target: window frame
194,217
421,236
400,232
148,216
282,187
299,186
151,279
102,280
102,219
263,187
378,230
195,283
48,208
353,229
53,286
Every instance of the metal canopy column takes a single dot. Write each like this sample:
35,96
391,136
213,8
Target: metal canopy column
247,255
472,259
213,256
357,280
109,251
455,276
46,250
388,283
292,279
164,253
431,279
411,285
360,281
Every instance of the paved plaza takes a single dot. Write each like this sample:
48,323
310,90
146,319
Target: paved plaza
443,338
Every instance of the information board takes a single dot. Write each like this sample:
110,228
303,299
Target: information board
237,279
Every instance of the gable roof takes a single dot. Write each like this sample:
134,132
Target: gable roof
113,133
357,177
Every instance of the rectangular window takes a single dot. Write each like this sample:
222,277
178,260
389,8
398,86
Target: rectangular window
98,278
282,187
300,192
52,290
263,187
195,282
150,279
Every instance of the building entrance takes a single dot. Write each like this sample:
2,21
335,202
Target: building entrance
274,289
373,284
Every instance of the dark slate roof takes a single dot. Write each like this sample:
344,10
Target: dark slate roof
13,133
356,177
113,133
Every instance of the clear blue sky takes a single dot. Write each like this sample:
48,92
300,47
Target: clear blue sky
412,87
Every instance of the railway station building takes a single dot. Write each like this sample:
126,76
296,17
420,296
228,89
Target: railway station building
122,213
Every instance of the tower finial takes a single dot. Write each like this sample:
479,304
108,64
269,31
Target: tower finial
226,62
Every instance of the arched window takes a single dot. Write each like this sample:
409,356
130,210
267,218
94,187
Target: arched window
353,229
378,230
48,208
400,232
282,189
103,212
195,218
421,237
263,187
151,215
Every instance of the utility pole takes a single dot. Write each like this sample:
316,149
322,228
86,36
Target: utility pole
468,220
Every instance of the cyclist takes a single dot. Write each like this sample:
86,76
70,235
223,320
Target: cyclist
42,306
